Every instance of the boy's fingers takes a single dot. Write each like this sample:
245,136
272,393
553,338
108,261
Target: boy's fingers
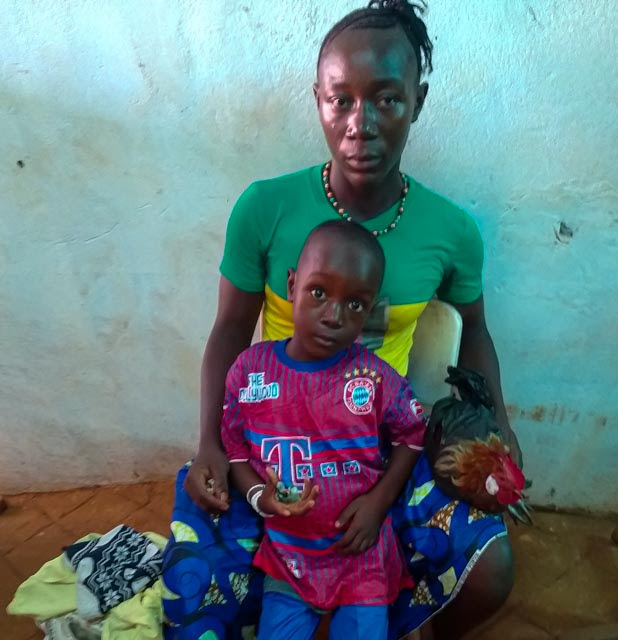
269,504
309,497
348,542
346,538
365,544
307,489
280,509
300,508
345,516
360,544
273,478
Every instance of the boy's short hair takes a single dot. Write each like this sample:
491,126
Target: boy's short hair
352,232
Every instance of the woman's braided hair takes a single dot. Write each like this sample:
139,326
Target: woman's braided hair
385,14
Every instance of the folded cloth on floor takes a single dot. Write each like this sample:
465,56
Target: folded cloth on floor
112,569
140,618
70,627
51,593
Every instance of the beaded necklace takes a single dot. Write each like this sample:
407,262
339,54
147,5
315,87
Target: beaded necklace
346,216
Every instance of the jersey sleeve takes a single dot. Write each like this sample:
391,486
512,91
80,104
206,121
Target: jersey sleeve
464,279
232,423
403,421
244,259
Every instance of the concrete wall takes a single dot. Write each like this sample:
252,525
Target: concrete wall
129,128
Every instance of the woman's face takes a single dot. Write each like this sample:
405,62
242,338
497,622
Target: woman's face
368,95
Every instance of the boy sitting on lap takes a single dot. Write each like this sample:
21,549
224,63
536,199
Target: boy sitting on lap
305,423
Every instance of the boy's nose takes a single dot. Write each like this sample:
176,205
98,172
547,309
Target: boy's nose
333,315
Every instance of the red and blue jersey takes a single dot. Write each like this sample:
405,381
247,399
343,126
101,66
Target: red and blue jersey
329,421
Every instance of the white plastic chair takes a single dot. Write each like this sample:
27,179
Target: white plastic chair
436,346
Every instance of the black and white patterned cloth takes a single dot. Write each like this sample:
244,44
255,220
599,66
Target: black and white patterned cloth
112,569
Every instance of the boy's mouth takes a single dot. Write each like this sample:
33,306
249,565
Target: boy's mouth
326,341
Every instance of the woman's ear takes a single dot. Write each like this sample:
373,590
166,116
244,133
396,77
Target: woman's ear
316,94
421,94
291,282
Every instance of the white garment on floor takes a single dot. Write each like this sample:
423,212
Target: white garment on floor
70,627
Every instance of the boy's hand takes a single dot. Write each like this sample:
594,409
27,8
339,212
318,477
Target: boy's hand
268,502
206,481
363,519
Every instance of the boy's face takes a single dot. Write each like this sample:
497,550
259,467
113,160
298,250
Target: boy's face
332,291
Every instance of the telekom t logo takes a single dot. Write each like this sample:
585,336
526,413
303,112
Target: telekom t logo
287,452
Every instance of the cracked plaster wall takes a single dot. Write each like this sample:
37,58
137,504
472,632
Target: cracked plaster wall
128,130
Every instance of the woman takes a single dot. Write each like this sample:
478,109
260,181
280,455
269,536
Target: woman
368,93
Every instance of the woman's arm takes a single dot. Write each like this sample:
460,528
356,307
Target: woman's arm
237,315
477,352
401,462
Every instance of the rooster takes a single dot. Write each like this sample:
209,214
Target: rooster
470,461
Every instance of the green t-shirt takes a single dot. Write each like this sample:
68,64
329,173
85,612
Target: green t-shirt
436,249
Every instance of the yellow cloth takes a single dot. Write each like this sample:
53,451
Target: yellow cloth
50,593
140,618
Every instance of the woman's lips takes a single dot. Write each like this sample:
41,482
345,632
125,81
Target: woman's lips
364,162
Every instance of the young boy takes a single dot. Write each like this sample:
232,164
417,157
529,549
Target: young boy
315,411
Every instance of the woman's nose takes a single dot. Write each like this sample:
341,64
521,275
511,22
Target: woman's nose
362,121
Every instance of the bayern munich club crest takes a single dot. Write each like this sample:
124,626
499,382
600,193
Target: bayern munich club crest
358,395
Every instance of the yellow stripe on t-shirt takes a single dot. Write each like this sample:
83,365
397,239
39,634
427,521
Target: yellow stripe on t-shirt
396,342
277,322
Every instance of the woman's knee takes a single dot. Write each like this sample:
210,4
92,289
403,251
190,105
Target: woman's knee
493,575
483,593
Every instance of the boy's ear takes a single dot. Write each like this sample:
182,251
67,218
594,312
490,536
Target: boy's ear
291,282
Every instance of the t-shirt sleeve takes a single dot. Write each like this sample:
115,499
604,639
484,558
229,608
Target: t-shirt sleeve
403,421
232,423
464,280
244,259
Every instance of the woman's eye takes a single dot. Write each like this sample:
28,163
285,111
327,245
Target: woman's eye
356,305
318,293
340,102
388,101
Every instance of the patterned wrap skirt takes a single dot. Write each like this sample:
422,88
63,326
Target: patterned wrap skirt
212,592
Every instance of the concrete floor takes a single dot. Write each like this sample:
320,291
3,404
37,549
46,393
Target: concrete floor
566,566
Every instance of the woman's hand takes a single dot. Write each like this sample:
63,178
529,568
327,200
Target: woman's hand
362,518
510,440
206,482
269,504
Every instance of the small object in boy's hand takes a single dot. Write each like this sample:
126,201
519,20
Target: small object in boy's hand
287,494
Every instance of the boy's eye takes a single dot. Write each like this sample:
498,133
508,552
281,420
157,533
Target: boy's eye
356,305
318,294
